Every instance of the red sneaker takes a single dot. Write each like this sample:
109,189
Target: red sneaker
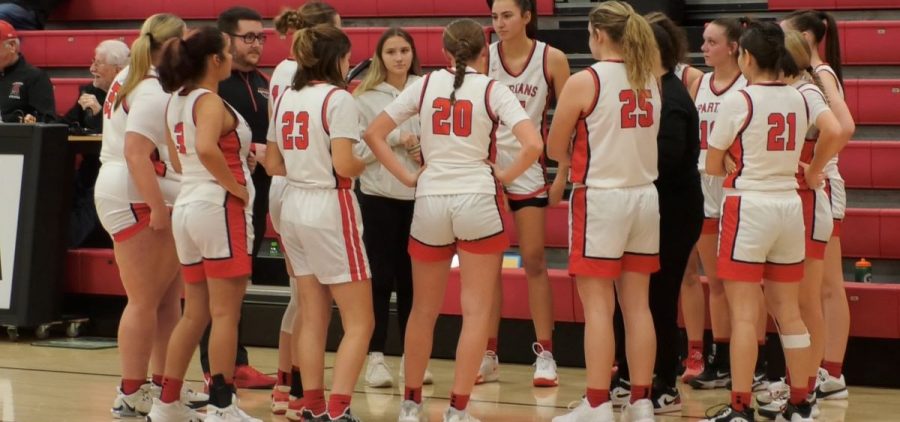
246,376
294,410
280,399
693,366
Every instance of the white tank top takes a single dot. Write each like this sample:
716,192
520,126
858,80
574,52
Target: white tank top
615,142
197,183
815,101
831,169
708,100
532,87
142,112
303,124
457,138
282,78
763,127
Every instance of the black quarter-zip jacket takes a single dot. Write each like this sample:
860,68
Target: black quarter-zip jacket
248,93
25,89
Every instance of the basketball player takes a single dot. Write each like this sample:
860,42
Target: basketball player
457,208
314,126
817,28
817,218
212,219
761,231
613,107
536,73
134,190
720,51
289,389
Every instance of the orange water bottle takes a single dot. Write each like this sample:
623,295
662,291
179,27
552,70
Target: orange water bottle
863,271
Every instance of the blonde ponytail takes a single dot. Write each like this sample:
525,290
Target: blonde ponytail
635,37
155,31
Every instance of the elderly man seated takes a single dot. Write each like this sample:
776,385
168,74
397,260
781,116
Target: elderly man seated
110,57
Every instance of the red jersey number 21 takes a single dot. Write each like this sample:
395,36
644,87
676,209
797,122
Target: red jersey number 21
636,110
295,130
456,116
778,123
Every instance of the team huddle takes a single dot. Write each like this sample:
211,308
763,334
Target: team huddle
746,154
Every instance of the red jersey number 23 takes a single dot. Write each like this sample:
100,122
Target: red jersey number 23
295,130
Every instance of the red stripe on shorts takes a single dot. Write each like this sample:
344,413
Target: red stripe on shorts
141,214
351,236
728,268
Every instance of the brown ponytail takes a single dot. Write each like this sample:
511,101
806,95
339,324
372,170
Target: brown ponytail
822,26
185,60
632,32
464,40
309,15
318,51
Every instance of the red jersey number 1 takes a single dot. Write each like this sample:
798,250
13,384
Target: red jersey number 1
179,138
631,103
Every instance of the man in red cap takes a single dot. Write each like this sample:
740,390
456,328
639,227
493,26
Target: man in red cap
26,94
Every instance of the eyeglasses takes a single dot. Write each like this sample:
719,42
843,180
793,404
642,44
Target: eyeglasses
251,37
96,62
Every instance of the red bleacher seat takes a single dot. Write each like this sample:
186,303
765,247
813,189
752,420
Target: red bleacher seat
877,101
66,92
869,42
75,48
832,4
871,164
96,10
871,233
93,271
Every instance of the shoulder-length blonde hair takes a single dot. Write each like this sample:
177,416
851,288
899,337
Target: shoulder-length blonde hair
377,72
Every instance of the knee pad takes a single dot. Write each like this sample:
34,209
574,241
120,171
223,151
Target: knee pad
795,341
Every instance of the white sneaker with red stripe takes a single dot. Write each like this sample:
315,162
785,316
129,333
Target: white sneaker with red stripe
544,367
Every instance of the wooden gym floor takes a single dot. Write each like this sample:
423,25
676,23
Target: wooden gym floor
41,384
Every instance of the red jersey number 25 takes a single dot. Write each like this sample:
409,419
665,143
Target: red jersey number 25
295,130
636,110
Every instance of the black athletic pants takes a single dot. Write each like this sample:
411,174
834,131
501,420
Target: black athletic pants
681,218
386,224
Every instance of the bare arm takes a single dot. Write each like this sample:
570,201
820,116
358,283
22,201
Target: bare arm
274,164
573,101
832,139
715,161
560,72
211,122
345,163
376,138
838,105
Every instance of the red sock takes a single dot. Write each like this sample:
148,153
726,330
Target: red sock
171,391
459,401
337,404
315,401
740,401
157,379
596,397
414,394
787,376
811,384
130,387
798,395
725,340
546,345
639,392
284,378
834,368
492,344
695,347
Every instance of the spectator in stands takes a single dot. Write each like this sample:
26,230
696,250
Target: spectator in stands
247,90
84,227
25,92
23,14
110,57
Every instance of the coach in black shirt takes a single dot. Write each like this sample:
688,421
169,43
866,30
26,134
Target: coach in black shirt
681,217
26,94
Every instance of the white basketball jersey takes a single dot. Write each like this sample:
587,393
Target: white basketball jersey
762,126
142,112
458,137
282,78
816,103
708,100
680,71
303,124
615,142
531,87
197,183
831,170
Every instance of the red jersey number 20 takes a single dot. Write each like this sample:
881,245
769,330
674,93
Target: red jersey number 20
456,116
636,110
295,130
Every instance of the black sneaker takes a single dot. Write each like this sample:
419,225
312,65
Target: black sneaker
796,413
308,416
619,391
665,399
729,414
713,376
344,417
